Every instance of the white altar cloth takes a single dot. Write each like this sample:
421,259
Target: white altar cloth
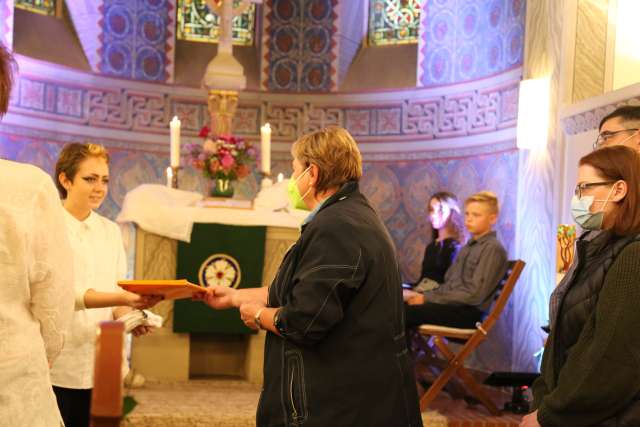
171,213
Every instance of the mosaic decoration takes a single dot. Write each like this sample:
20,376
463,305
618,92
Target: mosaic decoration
467,113
394,21
197,23
43,7
300,46
463,41
137,39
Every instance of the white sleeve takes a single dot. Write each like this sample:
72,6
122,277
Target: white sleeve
50,269
121,258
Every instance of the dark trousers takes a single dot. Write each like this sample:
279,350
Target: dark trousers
74,405
454,316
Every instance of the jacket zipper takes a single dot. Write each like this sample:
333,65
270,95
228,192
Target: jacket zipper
294,412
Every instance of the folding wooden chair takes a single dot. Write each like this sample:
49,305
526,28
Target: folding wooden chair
471,338
106,399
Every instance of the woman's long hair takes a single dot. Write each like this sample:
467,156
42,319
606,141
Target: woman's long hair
455,217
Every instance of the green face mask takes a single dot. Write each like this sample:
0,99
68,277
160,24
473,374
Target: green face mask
297,201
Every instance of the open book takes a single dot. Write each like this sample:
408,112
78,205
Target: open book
170,289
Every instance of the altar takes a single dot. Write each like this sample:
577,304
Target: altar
165,219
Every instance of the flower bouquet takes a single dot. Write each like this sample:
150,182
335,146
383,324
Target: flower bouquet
223,159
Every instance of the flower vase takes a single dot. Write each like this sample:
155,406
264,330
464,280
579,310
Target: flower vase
222,187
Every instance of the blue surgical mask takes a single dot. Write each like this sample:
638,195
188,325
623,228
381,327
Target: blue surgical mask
580,210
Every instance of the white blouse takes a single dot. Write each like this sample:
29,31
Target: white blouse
36,294
99,261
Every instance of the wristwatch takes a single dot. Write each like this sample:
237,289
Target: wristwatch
257,318
276,322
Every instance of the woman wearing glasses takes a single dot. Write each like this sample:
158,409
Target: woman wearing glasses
591,366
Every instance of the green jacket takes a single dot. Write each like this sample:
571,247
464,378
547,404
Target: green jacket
599,383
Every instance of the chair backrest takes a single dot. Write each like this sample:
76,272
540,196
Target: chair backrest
503,292
106,400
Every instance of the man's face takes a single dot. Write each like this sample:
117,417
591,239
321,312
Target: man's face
617,131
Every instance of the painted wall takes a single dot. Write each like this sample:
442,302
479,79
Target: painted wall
464,40
414,142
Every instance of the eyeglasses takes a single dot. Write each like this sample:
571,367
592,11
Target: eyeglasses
581,187
606,135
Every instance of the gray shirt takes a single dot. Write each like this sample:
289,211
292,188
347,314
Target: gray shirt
474,275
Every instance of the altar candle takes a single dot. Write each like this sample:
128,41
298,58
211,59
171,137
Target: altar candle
169,176
265,148
174,125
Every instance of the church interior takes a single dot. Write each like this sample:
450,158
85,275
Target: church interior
461,96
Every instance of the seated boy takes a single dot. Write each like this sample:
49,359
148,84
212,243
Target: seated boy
470,283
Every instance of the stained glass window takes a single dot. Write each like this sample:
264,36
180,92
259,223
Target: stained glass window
394,21
197,23
44,7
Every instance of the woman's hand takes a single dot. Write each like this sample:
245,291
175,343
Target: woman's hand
248,313
140,302
140,330
412,297
530,420
221,297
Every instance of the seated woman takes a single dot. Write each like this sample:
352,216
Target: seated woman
591,364
446,220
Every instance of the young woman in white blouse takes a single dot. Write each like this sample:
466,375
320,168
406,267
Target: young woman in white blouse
82,173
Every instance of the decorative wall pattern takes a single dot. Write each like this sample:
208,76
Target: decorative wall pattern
590,119
138,39
6,23
406,114
466,40
300,45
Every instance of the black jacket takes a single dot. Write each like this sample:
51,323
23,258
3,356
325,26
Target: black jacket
438,257
342,360
591,359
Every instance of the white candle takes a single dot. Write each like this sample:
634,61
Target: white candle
265,148
174,125
280,177
169,176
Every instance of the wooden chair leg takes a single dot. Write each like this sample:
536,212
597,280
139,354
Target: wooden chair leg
436,387
470,383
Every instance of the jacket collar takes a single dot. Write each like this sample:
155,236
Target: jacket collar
489,235
347,189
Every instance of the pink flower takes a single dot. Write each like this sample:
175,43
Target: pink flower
227,161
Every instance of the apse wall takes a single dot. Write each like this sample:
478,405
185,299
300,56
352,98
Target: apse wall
459,138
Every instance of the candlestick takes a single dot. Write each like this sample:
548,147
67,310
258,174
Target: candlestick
174,125
265,148
174,175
